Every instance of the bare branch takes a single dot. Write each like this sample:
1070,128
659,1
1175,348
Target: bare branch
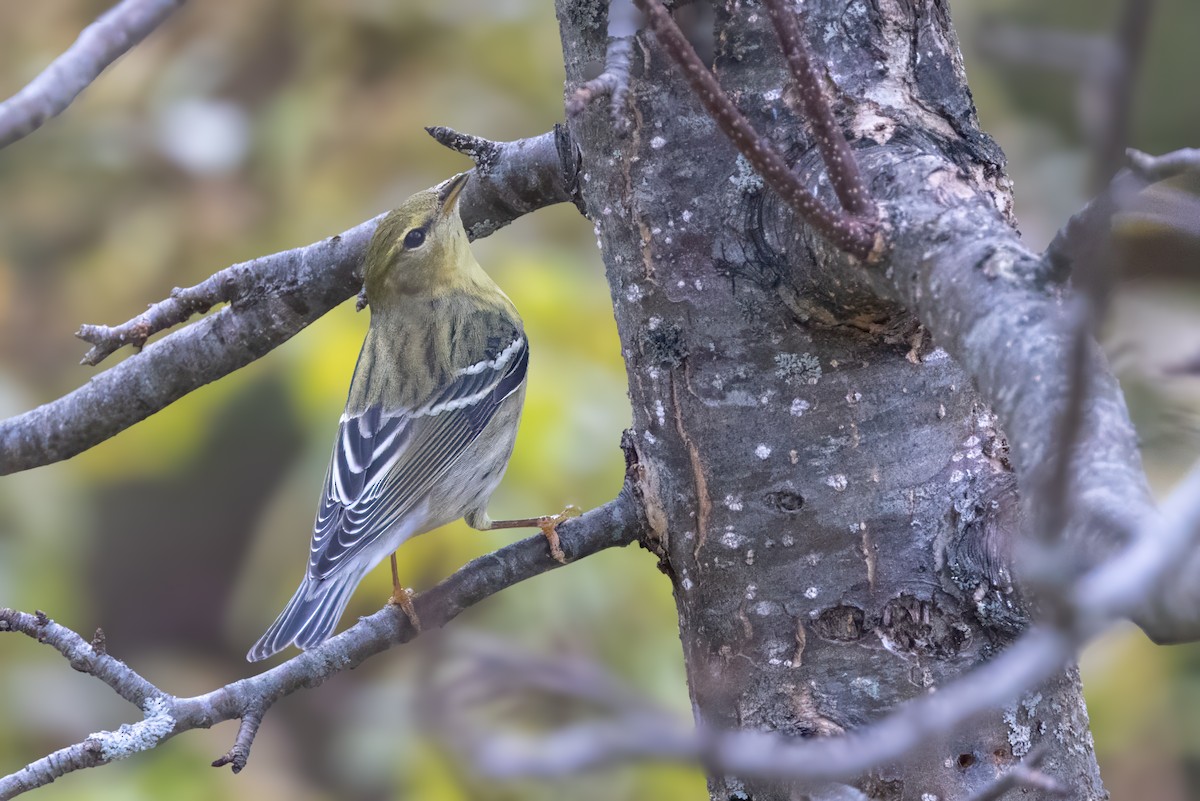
613,82
237,756
835,150
1092,274
271,299
617,523
1062,51
100,44
82,655
995,308
1115,83
1169,165
1106,68
1072,240
1024,775
858,237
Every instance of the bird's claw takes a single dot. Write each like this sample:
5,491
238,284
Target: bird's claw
403,598
549,527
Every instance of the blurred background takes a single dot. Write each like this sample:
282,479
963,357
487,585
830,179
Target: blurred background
238,130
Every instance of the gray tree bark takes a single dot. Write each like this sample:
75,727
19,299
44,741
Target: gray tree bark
830,496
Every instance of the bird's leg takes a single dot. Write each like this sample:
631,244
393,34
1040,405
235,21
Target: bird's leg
547,523
402,597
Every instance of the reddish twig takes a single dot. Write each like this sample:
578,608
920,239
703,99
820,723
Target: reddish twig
855,236
831,142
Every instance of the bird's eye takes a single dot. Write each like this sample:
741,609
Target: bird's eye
414,238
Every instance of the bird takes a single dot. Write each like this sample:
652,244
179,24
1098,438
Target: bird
430,420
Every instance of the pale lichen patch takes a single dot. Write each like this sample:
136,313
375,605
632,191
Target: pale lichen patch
797,368
838,482
731,539
132,738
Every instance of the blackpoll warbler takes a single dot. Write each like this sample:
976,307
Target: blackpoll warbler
431,419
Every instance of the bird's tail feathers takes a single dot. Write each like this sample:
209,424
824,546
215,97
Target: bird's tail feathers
310,617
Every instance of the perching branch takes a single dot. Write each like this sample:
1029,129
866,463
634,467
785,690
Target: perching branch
617,523
100,44
613,82
857,236
271,299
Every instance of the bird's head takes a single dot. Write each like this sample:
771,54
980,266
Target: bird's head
420,247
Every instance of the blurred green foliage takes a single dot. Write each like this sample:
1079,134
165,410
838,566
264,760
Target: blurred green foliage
242,129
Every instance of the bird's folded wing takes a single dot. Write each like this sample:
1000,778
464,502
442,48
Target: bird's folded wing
384,462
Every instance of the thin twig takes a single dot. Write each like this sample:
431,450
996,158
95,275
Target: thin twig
617,523
858,237
613,82
831,142
237,756
1092,272
1116,81
1168,165
1023,775
180,306
99,45
82,655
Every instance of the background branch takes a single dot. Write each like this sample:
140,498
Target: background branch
1024,775
617,523
613,82
100,44
643,731
1105,66
993,306
271,299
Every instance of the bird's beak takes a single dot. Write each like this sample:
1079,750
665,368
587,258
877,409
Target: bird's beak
448,195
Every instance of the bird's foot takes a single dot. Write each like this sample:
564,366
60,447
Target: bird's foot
403,598
549,527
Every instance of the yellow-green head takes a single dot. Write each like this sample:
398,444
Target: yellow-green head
421,247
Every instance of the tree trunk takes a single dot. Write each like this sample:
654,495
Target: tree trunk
830,498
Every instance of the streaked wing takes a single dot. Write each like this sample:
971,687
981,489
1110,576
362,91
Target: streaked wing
386,462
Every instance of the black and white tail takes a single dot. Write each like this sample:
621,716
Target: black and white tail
310,617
